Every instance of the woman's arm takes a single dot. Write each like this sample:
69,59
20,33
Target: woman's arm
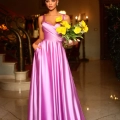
41,34
67,18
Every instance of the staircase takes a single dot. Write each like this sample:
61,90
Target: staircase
15,74
10,79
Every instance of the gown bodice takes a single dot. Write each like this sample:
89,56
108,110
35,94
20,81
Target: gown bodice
50,32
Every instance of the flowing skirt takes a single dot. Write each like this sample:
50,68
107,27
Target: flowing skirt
53,94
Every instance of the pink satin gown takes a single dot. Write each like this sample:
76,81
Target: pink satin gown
53,94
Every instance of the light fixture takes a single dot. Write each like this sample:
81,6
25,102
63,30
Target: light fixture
76,17
81,17
86,18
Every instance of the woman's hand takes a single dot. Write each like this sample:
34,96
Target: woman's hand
72,42
35,46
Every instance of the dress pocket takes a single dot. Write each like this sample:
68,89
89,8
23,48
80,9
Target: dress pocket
35,49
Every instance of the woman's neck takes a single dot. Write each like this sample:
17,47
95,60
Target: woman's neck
53,12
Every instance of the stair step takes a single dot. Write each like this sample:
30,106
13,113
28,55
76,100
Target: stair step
14,94
11,79
7,69
12,85
5,77
2,58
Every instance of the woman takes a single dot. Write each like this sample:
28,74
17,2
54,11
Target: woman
53,94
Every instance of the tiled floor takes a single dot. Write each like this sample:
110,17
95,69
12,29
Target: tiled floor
97,86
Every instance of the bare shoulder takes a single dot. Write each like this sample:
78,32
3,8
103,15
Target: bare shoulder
40,18
67,17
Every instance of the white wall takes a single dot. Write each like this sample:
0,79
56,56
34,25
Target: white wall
90,8
72,7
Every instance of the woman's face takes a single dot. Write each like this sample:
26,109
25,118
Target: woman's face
51,4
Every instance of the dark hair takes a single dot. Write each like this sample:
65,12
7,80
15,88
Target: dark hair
43,2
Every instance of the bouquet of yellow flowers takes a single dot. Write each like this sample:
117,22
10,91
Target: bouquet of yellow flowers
71,32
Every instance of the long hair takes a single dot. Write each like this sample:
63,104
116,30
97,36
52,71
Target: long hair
43,3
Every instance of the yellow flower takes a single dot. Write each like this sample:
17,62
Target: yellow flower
65,24
58,29
85,29
82,23
77,30
61,30
59,19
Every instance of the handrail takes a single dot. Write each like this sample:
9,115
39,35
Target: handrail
15,28
21,61
29,45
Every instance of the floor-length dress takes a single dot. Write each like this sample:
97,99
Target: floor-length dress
53,94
